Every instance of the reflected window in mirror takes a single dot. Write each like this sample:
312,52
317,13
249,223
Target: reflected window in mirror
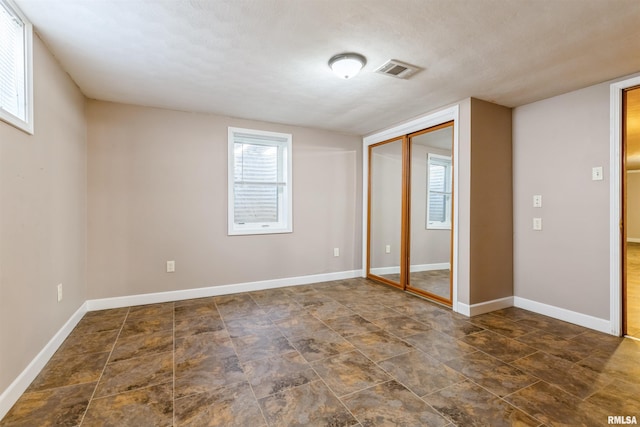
439,192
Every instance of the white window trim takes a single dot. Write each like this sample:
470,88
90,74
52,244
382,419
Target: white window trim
25,125
285,225
436,225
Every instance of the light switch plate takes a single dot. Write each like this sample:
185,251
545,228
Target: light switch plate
537,201
597,174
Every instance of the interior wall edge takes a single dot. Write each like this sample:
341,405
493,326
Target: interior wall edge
491,204
486,306
43,217
11,395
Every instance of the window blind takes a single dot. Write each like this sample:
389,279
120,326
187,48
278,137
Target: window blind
439,192
437,186
257,183
12,64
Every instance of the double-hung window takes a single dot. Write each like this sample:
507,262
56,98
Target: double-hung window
16,75
438,192
260,191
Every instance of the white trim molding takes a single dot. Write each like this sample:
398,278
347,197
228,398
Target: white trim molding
211,291
413,269
11,395
429,120
615,203
23,123
484,307
602,325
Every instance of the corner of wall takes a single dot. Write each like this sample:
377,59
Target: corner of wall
491,203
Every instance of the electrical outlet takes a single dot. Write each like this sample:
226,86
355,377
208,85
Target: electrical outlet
387,249
537,224
59,292
336,251
171,266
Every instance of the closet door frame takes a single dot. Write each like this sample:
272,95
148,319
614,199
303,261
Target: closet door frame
407,216
421,123
367,236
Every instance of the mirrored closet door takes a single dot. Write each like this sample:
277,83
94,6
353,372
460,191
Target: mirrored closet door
410,210
431,213
385,211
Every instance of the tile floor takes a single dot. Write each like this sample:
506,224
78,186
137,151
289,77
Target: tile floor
433,281
344,353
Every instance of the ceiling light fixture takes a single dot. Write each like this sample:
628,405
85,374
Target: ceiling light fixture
347,65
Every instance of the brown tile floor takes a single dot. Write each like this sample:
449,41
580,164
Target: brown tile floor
344,353
433,281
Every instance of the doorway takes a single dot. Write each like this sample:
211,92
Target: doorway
631,211
410,212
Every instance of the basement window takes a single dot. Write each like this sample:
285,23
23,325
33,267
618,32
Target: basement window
259,178
16,73
438,192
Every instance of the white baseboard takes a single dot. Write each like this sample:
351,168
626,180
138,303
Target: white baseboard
414,268
464,309
211,291
484,307
602,325
430,267
381,271
11,395
633,240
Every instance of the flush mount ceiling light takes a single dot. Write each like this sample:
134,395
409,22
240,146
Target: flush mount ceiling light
347,65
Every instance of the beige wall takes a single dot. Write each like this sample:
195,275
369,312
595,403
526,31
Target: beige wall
556,143
427,246
42,218
491,215
386,206
158,191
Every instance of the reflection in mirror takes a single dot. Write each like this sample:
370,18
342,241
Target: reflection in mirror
632,214
431,213
385,210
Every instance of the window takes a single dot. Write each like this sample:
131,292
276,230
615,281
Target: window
260,196
438,192
16,88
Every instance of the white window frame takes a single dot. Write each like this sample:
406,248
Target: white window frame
26,123
285,194
439,225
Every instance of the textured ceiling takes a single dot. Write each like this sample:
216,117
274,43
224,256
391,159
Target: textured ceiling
267,59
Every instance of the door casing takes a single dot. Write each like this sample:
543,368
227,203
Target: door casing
616,202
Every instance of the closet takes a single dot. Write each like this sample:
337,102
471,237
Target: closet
410,212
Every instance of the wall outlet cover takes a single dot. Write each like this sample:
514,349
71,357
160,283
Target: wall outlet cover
171,266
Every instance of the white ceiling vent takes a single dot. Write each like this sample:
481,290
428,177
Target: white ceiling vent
397,69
